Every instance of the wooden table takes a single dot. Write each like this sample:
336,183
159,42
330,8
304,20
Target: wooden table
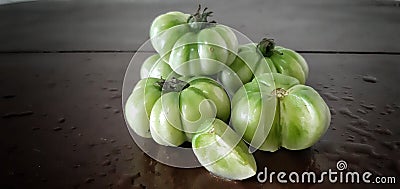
62,65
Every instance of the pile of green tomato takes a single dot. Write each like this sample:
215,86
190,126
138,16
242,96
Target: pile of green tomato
204,88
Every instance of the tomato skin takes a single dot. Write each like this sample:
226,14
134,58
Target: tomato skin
139,105
297,116
222,151
194,48
310,115
213,91
173,117
250,62
156,67
165,124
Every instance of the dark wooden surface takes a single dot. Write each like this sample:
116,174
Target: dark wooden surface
61,123
334,25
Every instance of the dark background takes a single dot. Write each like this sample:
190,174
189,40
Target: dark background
62,65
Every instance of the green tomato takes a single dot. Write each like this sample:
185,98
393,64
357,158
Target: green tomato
275,110
139,105
222,152
253,60
156,67
191,45
171,111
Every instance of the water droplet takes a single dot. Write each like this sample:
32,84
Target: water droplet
57,128
89,180
347,87
361,132
369,107
348,98
362,149
20,114
112,89
364,140
106,162
347,112
36,150
350,138
384,131
333,91
383,113
115,96
360,123
362,111
389,109
61,120
331,96
9,96
107,106
370,79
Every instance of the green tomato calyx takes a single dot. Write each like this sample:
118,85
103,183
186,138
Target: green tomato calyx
200,17
173,85
267,47
280,93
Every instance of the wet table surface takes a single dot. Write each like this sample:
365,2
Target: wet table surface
62,66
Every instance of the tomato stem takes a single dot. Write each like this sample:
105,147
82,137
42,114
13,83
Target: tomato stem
280,93
173,85
199,19
267,47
